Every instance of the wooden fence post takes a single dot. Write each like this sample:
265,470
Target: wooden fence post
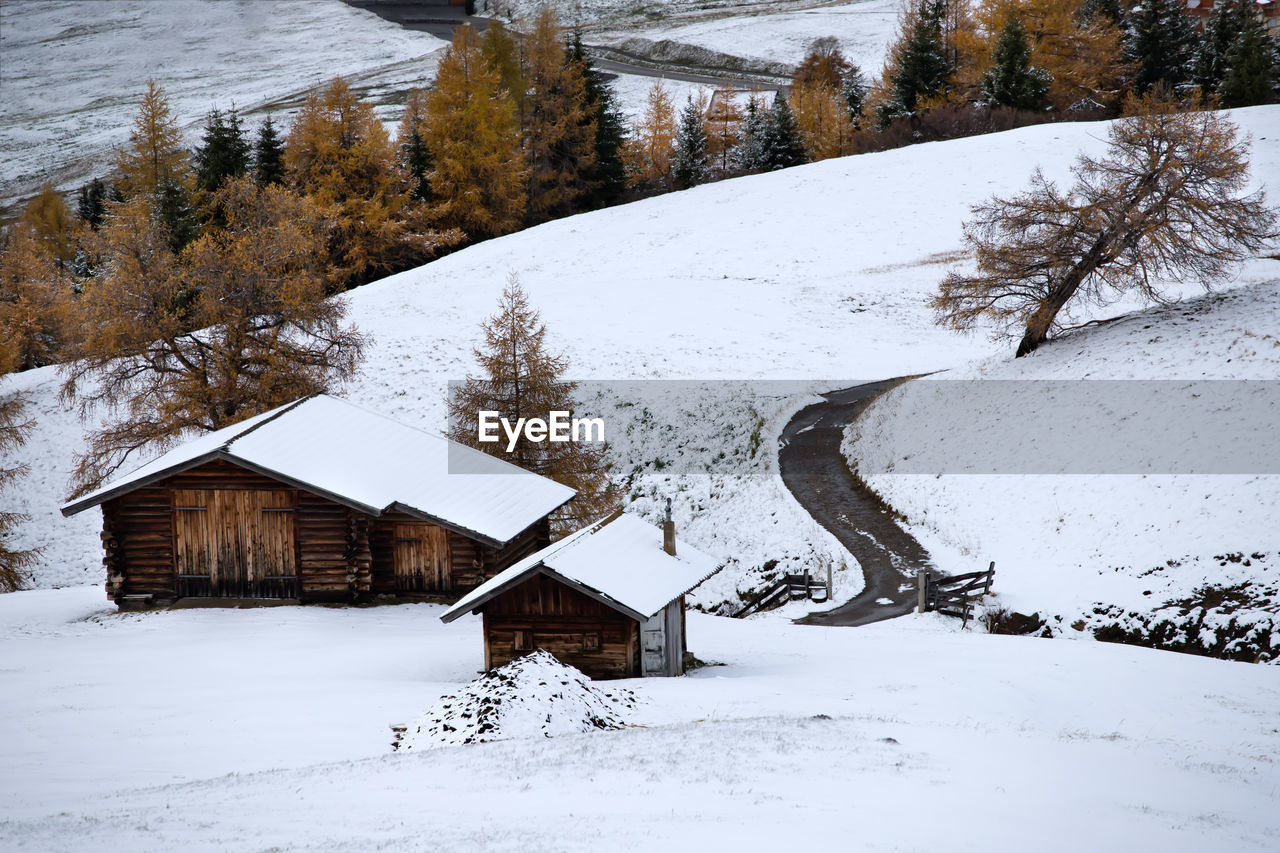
922,582
991,573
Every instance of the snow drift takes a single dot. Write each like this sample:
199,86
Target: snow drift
532,696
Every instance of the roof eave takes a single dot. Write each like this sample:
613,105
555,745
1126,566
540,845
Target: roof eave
543,569
75,507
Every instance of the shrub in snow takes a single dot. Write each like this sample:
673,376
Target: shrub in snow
533,695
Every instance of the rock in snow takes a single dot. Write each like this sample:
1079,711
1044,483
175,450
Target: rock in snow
533,695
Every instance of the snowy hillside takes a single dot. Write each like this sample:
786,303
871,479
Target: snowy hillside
1065,542
816,275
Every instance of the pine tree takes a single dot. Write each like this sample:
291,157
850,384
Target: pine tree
1011,81
415,156
15,427
560,130
1160,42
223,152
853,89
268,155
520,377
1219,35
781,144
173,207
749,155
647,153
479,177
608,179
237,325
1101,11
689,162
91,204
924,65
153,157
1252,64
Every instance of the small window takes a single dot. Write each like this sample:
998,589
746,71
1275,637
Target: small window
523,641
591,642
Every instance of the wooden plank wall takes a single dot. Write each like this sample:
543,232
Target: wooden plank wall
543,613
241,540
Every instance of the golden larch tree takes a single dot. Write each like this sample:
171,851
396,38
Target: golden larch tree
520,377
1166,204
237,325
478,180
339,154
822,117
35,298
154,158
647,153
560,128
14,429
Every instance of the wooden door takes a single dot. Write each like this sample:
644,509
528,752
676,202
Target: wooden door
421,557
235,543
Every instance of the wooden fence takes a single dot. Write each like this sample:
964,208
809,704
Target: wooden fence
790,588
953,596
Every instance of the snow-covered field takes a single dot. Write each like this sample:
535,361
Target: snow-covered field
864,29
73,72
268,730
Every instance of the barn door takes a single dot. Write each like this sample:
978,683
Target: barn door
235,543
421,557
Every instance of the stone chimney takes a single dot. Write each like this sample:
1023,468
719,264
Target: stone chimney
669,532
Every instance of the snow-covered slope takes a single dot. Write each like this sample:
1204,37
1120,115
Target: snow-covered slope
816,276
1065,542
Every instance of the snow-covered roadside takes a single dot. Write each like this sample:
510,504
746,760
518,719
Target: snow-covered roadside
267,729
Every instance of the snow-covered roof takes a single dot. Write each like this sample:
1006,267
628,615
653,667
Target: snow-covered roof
618,561
369,462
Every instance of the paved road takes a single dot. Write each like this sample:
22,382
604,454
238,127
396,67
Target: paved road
441,19
815,472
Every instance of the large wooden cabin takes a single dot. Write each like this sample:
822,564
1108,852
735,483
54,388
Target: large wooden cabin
608,600
318,500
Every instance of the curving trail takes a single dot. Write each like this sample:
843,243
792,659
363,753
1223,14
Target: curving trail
815,471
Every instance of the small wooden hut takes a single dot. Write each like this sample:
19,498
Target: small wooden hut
318,500
608,599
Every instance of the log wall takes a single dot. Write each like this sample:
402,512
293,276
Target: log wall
543,613
340,554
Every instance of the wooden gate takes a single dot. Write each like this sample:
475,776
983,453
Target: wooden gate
237,544
421,557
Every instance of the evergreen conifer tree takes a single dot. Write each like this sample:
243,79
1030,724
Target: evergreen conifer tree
782,145
853,89
14,430
1252,64
609,176
91,203
223,152
1219,35
1109,11
1011,81
689,162
268,155
924,68
415,156
749,154
1160,41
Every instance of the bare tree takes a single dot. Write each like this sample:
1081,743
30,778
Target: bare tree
1166,205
